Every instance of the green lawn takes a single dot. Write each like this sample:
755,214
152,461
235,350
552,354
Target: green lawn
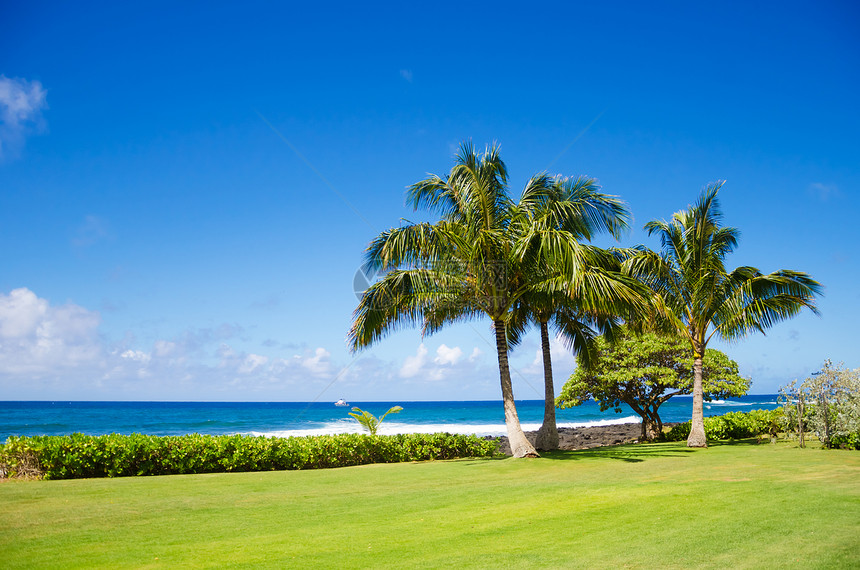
636,506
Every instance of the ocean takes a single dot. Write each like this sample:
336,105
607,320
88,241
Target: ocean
285,419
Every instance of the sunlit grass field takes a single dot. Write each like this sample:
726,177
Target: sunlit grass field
739,505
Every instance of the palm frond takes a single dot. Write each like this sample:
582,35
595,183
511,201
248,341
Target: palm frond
757,302
410,246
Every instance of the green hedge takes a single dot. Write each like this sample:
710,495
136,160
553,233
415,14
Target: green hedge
78,456
846,441
733,425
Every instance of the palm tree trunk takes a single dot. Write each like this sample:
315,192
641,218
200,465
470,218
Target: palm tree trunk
520,446
697,425
547,435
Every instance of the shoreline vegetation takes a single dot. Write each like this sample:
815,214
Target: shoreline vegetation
114,455
79,456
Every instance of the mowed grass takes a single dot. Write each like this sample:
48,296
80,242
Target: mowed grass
638,506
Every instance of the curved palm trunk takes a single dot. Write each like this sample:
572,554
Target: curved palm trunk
547,435
697,425
520,446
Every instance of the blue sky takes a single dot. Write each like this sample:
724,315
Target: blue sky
186,192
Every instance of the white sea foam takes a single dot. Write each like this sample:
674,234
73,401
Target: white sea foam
725,403
597,423
392,428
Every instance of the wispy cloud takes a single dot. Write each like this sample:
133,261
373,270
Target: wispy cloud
90,232
563,360
449,362
413,364
21,106
59,350
406,74
823,192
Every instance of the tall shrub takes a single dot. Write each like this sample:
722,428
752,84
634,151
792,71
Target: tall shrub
827,403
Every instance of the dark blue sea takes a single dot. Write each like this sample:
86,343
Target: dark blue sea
303,418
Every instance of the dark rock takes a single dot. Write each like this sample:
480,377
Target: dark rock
587,437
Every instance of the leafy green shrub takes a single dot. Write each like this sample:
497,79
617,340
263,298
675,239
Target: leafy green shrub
18,459
846,441
733,425
826,404
79,456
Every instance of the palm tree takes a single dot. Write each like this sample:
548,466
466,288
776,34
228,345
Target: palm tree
696,296
577,330
574,210
469,264
456,269
370,422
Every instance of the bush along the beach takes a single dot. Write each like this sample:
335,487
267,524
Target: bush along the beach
18,460
827,404
83,456
733,425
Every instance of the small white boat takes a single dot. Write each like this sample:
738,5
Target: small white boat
341,403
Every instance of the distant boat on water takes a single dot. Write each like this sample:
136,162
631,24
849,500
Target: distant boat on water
341,403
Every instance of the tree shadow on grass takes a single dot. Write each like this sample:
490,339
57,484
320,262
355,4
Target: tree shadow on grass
736,442
631,453
638,452
628,452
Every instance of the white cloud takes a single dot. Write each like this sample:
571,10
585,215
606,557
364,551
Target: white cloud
445,355
57,352
21,106
406,74
136,355
179,369
318,364
447,363
413,364
563,361
251,363
823,192
163,348
20,314
37,338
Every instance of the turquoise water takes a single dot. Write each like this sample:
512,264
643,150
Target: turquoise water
305,418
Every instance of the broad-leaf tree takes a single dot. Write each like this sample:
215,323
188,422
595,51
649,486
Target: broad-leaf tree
694,295
644,371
